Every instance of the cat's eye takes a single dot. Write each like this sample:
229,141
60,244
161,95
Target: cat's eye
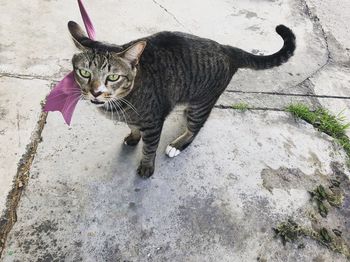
113,77
84,73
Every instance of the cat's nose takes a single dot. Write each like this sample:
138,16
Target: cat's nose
102,88
95,94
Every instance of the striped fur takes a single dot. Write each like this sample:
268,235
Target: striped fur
175,68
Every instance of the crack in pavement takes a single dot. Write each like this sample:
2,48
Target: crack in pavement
171,14
287,94
28,77
252,108
316,21
9,216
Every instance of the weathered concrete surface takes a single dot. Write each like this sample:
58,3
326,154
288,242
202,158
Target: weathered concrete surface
334,79
334,17
19,112
266,101
84,201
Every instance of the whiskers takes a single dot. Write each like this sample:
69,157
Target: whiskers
129,104
112,107
115,105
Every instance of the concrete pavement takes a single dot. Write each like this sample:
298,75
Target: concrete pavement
19,112
218,201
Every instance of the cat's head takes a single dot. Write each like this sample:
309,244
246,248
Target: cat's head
102,74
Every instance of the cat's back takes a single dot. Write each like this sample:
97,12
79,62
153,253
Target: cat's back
174,40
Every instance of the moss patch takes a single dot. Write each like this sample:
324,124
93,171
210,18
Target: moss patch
331,195
290,231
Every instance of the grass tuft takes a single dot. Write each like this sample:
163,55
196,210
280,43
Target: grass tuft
323,120
241,106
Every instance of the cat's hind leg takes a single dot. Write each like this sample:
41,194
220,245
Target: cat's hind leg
197,114
179,144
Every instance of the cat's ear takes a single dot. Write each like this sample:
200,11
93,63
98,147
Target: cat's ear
134,52
77,34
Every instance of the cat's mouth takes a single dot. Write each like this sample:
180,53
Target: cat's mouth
95,101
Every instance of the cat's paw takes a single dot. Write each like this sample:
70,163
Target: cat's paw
131,140
145,171
171,151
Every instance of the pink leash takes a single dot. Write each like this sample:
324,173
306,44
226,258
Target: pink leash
66,94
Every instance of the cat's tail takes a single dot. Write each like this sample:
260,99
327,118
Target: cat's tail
243,59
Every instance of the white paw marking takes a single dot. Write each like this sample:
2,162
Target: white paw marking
172,151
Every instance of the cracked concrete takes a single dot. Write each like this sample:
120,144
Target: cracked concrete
20,109
207,210
28,77
172,15
9,213
334,78
289,94
82,200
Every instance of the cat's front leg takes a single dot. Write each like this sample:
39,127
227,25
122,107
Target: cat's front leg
150,137
134,137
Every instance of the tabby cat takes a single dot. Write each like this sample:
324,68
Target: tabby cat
142,81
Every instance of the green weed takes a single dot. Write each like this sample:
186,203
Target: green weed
240,106
323,120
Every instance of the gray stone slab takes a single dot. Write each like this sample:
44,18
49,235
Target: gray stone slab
332,80
335,17
19,112
84,201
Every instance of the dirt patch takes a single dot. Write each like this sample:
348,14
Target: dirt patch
290,178
328,210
